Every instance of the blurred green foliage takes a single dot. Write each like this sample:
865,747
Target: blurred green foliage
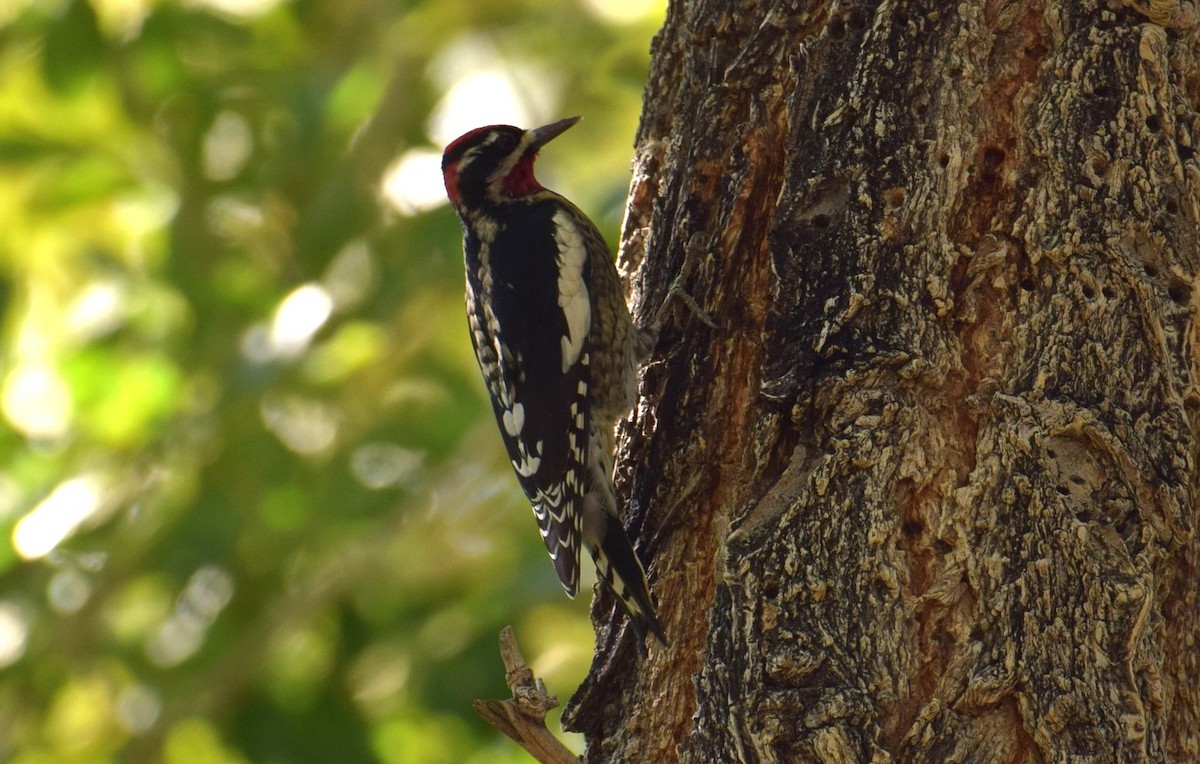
254,506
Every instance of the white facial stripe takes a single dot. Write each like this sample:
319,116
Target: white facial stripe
468,156
510,161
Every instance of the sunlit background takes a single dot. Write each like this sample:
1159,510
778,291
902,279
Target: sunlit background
254,506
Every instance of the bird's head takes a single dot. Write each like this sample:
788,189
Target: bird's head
494,164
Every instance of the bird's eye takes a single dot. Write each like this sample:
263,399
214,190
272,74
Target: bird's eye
506,141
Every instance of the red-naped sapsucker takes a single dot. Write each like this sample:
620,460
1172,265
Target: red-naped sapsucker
557,349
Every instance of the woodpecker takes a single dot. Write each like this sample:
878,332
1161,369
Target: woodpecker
557,348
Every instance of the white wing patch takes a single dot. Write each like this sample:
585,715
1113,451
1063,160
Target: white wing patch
514,420
494,356
526,464
572,292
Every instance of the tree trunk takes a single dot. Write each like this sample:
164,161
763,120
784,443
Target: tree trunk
929,494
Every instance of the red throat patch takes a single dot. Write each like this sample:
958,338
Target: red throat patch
520,182
450,177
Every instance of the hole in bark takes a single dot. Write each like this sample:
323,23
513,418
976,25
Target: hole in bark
1051,453
993,156
1108,293
1180,292
912,528
1088,291
770,589
1102,90
1035,51
1129,527
820,221
1172,206
1150,270
837,28
1153,123
944,160
1063,490
955,72
893,197
857,19
1027,284
1186,152
1077,480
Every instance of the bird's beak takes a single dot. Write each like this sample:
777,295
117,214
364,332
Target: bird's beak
546,133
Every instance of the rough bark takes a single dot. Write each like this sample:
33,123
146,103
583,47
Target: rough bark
930,493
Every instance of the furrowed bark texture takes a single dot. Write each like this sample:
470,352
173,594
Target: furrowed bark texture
930,494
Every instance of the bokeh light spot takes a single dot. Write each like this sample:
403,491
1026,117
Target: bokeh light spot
351,275
37,402
138,707
14,631
413,183
384,465
98,310
237,9
179,637
622,12
58,516
301,314
227,146
68,591
305,426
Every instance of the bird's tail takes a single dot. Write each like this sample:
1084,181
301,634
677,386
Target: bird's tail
617,564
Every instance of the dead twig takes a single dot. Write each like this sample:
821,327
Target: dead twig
523,717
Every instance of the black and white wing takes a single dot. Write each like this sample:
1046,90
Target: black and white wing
530,316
